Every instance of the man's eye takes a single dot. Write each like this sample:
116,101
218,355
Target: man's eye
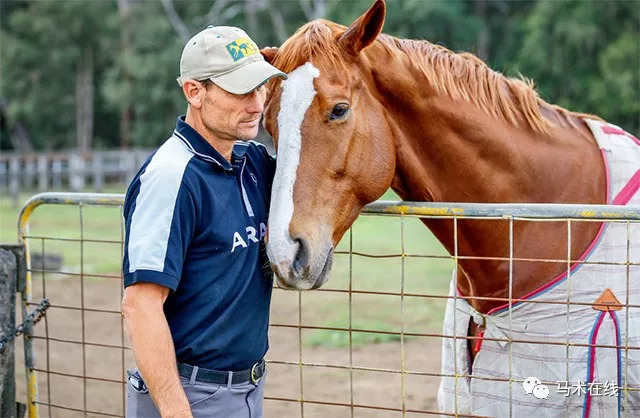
257,90
339,111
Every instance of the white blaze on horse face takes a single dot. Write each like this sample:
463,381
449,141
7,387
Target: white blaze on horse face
297,94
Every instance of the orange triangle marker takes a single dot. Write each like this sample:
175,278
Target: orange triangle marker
607,301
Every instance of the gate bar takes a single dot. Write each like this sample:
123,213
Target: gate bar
444,210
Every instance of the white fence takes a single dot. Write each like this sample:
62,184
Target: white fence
67,171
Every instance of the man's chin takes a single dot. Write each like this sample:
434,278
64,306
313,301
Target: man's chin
247,134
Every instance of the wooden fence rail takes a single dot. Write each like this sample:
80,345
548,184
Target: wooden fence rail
67,171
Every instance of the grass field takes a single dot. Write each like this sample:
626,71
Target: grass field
371,234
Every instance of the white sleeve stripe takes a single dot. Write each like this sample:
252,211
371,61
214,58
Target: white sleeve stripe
247,204
153,213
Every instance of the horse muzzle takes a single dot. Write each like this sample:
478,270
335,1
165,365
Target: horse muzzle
295,266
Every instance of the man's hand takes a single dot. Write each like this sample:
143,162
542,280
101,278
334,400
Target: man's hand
142,308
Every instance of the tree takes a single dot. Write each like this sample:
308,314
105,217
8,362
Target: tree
49,73
102,73
584,56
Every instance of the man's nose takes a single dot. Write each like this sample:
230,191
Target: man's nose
256,102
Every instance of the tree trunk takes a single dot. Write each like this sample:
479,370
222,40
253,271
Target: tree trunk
482,49
124,11
20,139
84,99
250,17
314,9
177,23
278,24
18,133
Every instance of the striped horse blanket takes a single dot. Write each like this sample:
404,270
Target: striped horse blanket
580,380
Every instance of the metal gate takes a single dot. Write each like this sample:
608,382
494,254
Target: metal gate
72,385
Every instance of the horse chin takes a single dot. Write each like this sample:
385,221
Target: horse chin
307,280
295,284
323,276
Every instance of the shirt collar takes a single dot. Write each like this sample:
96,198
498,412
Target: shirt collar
202,149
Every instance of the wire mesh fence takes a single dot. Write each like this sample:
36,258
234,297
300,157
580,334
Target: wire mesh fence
367,344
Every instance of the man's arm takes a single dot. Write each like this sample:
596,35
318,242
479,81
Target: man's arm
153,348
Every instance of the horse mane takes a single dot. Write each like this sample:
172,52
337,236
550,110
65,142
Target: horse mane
464,76
316,39
461,76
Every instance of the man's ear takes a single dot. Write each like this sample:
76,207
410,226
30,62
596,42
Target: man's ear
191,90
269,53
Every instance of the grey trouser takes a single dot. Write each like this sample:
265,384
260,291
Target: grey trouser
209,400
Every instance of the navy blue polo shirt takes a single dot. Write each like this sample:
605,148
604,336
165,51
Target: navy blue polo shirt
196,223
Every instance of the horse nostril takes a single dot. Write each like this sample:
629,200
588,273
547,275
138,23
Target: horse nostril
302,258
297,267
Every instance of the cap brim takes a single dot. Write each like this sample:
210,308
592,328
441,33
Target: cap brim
248,77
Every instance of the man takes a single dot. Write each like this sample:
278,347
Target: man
196,300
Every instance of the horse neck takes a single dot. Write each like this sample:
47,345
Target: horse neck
453,151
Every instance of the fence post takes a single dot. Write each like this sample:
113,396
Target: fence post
141,157
14,180
8,276
29,173
98,171
43,180
56,169
76,172
129,167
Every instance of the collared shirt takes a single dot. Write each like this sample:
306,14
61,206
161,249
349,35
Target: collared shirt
196,223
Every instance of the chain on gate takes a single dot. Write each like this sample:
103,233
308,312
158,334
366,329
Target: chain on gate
34,317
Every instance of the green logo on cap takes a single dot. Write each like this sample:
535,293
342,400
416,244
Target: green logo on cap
242,47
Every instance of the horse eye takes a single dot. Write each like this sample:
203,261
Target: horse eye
339,111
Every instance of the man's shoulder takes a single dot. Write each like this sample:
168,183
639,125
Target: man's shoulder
169,160
172,154
167,166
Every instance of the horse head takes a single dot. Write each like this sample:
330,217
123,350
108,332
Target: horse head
335,149
362,111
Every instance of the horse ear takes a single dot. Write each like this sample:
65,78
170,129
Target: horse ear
269,53
365,29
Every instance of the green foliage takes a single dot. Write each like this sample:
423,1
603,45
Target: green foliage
584,55
446,22
41,43
151,65
614,94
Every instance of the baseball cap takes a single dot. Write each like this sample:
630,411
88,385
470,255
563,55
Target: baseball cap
228,57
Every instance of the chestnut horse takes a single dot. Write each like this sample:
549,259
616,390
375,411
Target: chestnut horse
363,111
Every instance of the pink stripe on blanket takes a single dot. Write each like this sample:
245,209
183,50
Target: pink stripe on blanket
628,191
612,130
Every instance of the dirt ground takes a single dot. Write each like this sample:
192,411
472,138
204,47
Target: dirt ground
323,384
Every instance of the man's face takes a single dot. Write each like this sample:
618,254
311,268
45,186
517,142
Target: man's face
231,116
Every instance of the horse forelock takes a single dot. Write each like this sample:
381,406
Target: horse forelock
315,41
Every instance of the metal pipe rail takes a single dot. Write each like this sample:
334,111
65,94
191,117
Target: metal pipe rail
424,209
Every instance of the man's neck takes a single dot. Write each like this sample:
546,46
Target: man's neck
223,146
